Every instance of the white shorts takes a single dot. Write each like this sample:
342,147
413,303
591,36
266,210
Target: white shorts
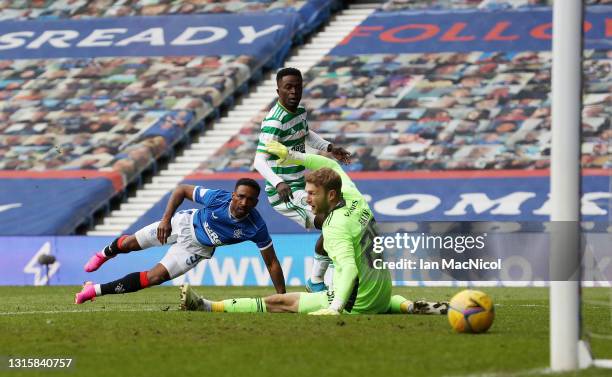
297,209
185,251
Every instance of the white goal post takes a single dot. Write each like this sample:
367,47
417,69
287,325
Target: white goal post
567,351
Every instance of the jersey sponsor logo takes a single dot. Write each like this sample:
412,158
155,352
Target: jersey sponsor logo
214,238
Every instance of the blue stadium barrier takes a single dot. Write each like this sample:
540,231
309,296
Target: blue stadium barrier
33,204
431,31
239,264
524,261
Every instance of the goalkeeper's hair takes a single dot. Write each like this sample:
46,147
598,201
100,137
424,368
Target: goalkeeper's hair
289,71
248,182
326,178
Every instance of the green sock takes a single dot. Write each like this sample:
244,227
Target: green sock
399,305
244,305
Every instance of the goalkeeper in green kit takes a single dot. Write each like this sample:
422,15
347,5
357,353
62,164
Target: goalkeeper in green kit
348,231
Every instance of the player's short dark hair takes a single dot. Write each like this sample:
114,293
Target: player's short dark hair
248,182
289,71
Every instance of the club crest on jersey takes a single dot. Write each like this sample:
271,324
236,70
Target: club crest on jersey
237,233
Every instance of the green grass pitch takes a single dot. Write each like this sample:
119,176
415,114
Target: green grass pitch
144,334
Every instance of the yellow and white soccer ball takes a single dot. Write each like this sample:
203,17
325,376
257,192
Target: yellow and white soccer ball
471,311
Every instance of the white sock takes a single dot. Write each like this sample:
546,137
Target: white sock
98,289
319,267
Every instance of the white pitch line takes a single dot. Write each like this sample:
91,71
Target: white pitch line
522,305
80,311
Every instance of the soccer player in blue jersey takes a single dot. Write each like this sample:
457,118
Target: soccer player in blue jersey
226,218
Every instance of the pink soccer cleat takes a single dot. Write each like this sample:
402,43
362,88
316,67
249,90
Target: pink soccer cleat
88,293
96,261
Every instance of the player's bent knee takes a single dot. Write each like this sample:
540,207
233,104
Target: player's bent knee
281,303
130,243
274,302
158,275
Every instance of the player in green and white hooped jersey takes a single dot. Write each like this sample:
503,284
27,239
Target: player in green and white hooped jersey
286,123
348,231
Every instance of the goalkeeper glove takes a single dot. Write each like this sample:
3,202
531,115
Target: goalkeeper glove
285,156
327,311
277,149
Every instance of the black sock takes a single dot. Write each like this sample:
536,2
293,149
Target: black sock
113,249
128,283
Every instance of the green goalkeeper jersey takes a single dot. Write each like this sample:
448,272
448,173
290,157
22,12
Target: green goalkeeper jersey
348,233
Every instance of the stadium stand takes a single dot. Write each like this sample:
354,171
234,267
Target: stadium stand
109,113
440,111
392,5
48,9
109,120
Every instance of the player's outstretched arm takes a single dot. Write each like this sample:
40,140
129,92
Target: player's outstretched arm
317,142
176,199
310,161
274,268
